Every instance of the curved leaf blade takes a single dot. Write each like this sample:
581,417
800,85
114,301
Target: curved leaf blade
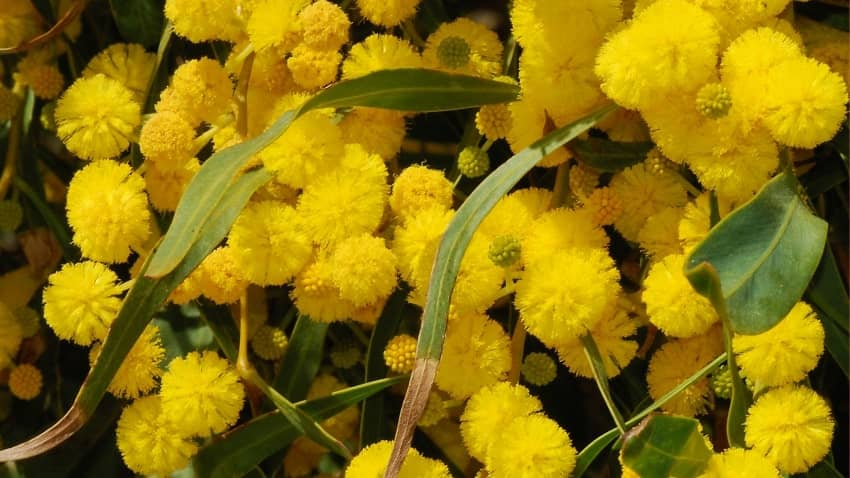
589,453
447,263
665,445
610,156
402,89
752,250
302,358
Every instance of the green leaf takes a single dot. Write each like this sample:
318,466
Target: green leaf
765,254
836,341
589,453
610,156
139,21
665,445
245,446
302,358
827,291
447,263
373,417
142,301
403,89
223,327
824,469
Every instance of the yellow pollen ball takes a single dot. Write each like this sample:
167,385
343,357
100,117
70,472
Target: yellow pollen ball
312,68
45,80
605,206
167,139
387,13
400,353
25,381
127,63
363,270
489,410
324,25
418,188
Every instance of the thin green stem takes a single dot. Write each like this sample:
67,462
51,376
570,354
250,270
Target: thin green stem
358,332
601,378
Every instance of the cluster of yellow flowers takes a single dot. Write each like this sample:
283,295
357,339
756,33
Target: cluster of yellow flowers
719,86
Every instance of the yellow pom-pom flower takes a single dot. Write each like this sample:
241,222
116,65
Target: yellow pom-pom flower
312,68
583,180
379,51
611,335
372,461
464,46
220,276
324,26
804,103
363,270
141,367
400,353
149,441
96,117
200,90
275,24
81,301
269,342
563,297
346,201
669,47
672,304
539,369
25,381
792,426
167,139
490,410
533,446
418,188
108,211
644,193
476,353
315,294
561,229
127,63
387,13
202,393
785,353
677,360
45,79
659,237
379,131
473,162
205,20
269,243
165,185
604,206
415,242
739,462
309,148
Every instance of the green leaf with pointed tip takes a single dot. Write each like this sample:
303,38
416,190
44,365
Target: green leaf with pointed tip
589,453
302,358
245,446
666,445
610,156
403,89
765,254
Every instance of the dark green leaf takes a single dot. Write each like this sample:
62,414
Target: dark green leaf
223,327
827,291
665,445
836,342
139,21
824,469
404,89
825,175
302,358
610,156
589,453
246,446
181,336
765,254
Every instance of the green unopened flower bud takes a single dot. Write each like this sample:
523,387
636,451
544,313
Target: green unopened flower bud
345,354
11,215
505,251
473,162
47,117
539,369
713,100
269,342
29,320
453,52
721,382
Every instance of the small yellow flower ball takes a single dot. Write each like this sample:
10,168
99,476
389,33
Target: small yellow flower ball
533,446
418,188
473,162
490,410
324,26
364,270
387,13
400,353
25,381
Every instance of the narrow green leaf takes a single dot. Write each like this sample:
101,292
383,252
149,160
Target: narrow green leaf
244,447
836,341
373,417
403,89
827,291
589,453
665,445
142,301
223,327
302,358
824,469
139,21
447,263
765,254
610,156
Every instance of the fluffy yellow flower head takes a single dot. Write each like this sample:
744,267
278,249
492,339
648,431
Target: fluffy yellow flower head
659,237
200,90
529,122
785,353
202,393
309,148
165,185
672,304
560,229
400,353
25,381
127,63
269,243
464,46
149,442
476,354
45,79
313,68
669,48
275,24
739,462
611,335
415,242
96,117
677,360
644,193
372,462
140,368
347,201
221,276
108,211
489,410
512,216
533,446
387,13
418,188
792,426
550,25
205,20
167,139
696,219
81,301
379,51
565,296
604,206
804,102
379,131
315,294
364,270
324,25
